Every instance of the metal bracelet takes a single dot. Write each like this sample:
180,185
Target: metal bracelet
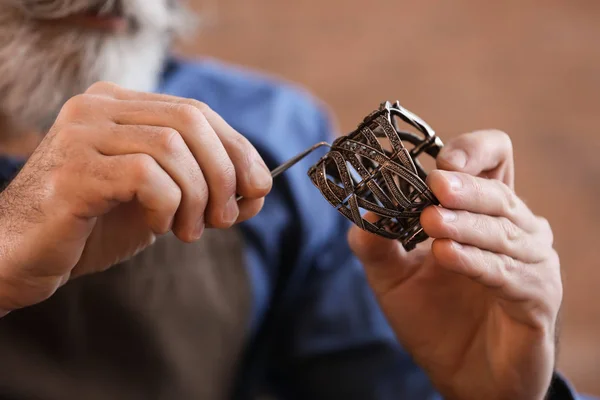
371,170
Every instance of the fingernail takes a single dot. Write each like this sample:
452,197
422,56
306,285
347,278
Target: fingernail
447,215
199,229
456,158
260,176
453,179
231,211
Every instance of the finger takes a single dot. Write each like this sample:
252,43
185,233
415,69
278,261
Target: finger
249,208
139,177
513,279
488,153
495,234
252,175
167,147
218,170
461,191
386,262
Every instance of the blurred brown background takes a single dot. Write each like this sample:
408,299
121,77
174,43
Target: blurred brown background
531,68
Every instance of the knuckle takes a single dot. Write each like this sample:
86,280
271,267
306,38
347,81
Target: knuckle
512,233
47,292
143,167
240,142
552,278
544,224
509,264
554,259
169,140
102,87
546,229
199,105
557,292
468,141
190,115
509,199
75,108
505,138
461,139
27,290
248,153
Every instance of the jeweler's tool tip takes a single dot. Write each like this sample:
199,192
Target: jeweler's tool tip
292,161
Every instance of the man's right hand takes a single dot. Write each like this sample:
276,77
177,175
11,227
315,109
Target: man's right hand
118,168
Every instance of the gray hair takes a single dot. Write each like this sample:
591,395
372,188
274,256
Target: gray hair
43,64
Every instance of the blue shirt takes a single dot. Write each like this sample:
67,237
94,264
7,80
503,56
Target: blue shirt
316,330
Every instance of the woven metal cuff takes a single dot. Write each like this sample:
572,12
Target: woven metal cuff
372,170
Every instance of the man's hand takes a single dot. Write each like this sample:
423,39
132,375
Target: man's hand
116,169
477,305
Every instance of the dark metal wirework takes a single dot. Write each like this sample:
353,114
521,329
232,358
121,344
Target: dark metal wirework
371,170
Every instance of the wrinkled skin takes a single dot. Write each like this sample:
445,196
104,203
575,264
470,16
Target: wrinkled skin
477,305
118,168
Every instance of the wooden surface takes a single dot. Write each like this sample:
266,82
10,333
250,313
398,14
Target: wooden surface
528,67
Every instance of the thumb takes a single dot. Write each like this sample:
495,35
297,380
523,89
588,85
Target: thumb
385,261
487,153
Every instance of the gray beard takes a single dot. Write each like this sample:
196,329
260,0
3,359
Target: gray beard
42,66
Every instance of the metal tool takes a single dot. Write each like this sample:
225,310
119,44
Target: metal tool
293,161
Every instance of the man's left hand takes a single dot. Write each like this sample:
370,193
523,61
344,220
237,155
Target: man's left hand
477,305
